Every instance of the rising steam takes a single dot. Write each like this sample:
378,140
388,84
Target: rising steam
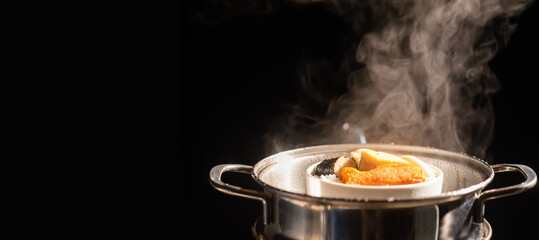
425,79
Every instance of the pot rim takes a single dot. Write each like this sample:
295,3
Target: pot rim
354,203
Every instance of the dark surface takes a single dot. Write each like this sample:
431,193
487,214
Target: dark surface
238,77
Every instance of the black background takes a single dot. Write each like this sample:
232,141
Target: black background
238,77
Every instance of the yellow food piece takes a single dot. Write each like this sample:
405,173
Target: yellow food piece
368,159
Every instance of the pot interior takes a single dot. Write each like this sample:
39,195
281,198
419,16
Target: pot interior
285,171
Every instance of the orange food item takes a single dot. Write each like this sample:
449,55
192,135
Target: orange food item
389,174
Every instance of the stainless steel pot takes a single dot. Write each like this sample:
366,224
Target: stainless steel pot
288,213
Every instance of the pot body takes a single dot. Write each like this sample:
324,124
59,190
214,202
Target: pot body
298,218
289,213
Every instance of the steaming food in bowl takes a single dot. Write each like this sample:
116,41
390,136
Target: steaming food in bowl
369,174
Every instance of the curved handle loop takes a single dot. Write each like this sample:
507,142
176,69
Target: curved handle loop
529,182
215,180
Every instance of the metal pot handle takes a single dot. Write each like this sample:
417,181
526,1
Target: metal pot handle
529,182
529,174
215,180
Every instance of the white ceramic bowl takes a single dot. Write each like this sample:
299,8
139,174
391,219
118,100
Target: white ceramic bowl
321,188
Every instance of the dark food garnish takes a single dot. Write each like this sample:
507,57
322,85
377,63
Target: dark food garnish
325,167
